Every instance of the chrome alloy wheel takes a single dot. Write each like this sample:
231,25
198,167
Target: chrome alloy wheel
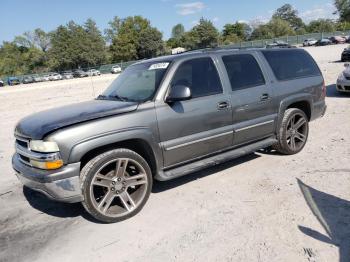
118,187
297,131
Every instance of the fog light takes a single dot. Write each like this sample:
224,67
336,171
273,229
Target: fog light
47,165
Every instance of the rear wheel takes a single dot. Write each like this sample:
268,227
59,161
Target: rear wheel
116,185
293,132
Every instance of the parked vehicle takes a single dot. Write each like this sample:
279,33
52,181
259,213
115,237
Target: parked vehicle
37,79
93,72
12,80
55,77
116,69
323,42
337,39
343,81
79,73
67,75
28,80
167,117
1,82
345,56
46,78
279,44
310,42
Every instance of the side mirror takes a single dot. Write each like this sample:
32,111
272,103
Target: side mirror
346,65
179,93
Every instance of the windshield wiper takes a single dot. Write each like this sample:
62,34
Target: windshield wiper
115,97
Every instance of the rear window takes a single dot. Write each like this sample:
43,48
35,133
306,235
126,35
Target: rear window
291,64
243,71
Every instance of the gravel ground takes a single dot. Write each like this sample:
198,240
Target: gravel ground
262,207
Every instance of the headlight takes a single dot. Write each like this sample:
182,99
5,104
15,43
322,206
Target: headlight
341,76
43,147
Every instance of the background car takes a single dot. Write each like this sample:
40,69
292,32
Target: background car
12,80
28,80
323,42
337,39
1,82
93,72
67,75
55,76
37,79
46,78
279,44
309,42
79,73
116,69
345,56
343,81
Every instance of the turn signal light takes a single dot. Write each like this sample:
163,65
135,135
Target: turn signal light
47,165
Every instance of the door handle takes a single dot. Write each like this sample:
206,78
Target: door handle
223,105
264,97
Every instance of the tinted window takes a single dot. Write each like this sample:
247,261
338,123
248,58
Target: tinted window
200,75
243,71
290,64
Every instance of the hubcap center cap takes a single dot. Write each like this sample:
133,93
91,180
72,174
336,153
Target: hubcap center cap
293,132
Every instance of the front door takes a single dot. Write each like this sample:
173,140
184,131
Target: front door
199,126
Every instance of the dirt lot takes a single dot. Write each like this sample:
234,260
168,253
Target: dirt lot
262,207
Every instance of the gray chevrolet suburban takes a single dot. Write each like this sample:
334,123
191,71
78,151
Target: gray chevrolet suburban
168,117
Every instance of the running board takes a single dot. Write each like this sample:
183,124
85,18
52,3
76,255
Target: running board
214,160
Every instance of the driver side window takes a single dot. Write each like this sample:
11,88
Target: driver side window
200,75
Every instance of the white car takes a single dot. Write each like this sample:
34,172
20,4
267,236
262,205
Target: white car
343,81
93,72
1,82
55,76
309,42
116,69
46,78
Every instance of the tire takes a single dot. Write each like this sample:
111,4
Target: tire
289,132
115,185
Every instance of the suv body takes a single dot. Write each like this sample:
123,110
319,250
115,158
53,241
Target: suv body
167,117
116,69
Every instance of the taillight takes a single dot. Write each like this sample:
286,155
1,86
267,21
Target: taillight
324,90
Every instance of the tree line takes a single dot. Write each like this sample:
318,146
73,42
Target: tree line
75,45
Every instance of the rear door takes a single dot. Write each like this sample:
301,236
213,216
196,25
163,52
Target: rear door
253,110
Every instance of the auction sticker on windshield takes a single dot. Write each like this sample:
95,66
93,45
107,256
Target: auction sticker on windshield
158,66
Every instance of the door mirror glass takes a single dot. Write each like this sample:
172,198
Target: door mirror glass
179,93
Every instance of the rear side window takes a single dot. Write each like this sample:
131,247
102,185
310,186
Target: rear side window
243,71
200,75
291,64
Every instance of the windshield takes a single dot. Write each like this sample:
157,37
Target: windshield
137,83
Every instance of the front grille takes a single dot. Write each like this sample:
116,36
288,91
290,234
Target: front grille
22,143
347,88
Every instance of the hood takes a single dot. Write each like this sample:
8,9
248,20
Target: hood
36,126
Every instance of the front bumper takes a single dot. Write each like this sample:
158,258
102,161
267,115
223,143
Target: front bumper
61,185
343,85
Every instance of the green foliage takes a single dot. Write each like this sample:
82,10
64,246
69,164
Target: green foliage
343,8
321,25
75,46
275,28
134,39
290,15
202,35
233,33
178,31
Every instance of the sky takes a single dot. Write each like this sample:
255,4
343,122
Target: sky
19,16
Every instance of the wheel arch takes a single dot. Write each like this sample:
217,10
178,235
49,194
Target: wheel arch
144,145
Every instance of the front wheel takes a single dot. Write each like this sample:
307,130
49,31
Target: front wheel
116,185
293,132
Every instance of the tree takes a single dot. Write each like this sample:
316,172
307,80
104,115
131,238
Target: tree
178,31
275,28
321,25
113,29
236,32
202,35
343,9
290,15
75,46
131,41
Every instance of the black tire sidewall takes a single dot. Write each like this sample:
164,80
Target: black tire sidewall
89,171
283,131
